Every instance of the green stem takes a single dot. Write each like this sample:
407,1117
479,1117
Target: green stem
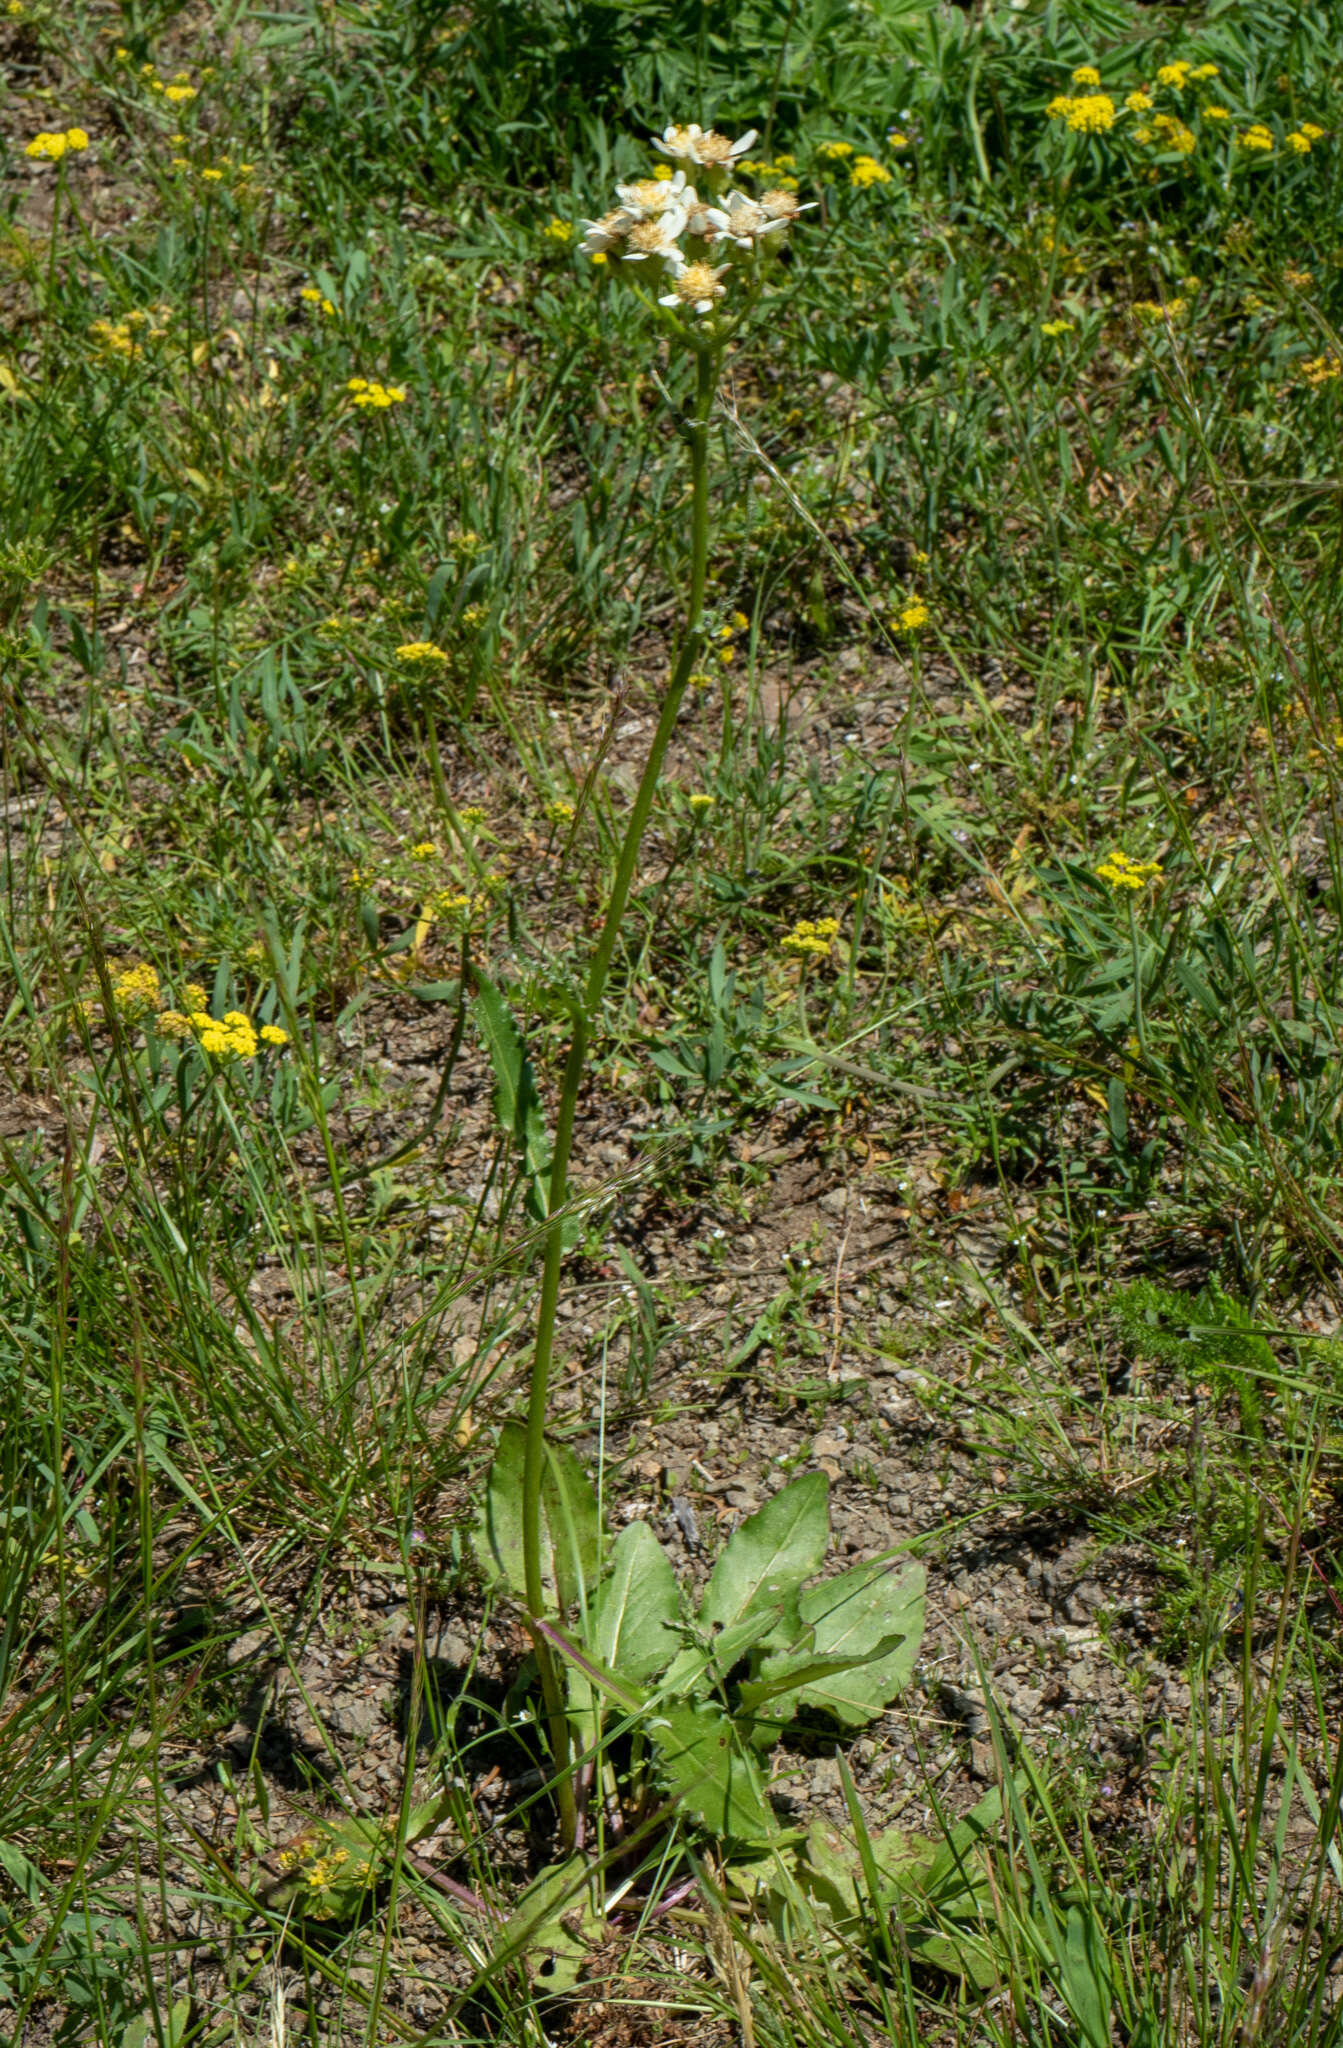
1139,1026
584,1016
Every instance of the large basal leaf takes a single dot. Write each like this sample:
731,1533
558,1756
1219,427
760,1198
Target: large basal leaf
769,1556
716,1781
870,1622
632,1628
554,1926
570,1521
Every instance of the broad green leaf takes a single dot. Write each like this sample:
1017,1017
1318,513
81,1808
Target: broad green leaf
714,1778
769,1556
633,1617
570,1522
554,1926
869,1622
835,1866
516,1102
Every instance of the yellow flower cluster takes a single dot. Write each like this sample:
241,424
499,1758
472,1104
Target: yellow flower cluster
1139,102
1091,114
312,297
1256,137
1150,310
700,801
444,903
136,990
320,1873
136,994
865,171
557,230
779,172
1180,72
810,939
127,336
1122,873
911,617
421,653
425,849
233,1036
1303,139
1053,328
1318,370
1174,134
1086,74
474,617
896,139
367,391
51,146
559,811
834,152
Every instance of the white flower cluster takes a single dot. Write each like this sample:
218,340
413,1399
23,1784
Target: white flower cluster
655,216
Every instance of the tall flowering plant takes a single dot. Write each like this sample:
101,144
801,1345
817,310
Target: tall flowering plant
707,246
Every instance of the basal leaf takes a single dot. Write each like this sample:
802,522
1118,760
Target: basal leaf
868,1624
570,1524
769,1556
632,1626
716,1780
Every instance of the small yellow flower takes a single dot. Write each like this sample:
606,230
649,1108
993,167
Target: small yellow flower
1204,71
833,152
1299,280
425,849
1311,132
136,990
700,679
1299,142
474,616
1320,370
1086,74
1138,102
1092,114
50,147
559,811
212,176
1174,75
1257,137
662,172
700,801
1217,113
810,938
867,171
912,616
598,256
179,94
1056,327
562,231
420,652
1175,134
172,1024
271,1034
310,294
472,814
366,391
1122,873
1151,311
897,140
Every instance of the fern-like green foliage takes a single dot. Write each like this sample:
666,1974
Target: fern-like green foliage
1208,1336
